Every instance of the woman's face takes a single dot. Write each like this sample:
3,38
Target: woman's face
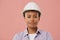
32,18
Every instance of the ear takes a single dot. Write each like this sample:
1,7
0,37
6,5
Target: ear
24,19
39,18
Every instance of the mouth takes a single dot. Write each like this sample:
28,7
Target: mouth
32,23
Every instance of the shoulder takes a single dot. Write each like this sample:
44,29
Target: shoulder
17,36
46,34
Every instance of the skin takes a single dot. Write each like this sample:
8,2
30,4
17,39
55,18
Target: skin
31,18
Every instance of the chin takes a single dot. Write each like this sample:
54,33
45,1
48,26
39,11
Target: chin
33,26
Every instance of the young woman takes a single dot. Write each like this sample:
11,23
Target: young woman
31,14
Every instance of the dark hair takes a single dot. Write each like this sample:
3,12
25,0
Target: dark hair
39,13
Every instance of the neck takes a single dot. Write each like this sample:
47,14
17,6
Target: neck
32,30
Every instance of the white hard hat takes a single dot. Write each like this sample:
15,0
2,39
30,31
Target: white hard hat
31,6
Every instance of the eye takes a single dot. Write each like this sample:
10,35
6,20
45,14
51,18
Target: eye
28,16
35,16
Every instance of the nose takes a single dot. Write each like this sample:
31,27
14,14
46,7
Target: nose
32,19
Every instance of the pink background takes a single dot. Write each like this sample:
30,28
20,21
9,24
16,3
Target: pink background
12,21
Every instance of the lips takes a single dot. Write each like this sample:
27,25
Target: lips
32,23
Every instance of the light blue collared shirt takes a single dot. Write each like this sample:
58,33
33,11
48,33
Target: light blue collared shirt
41,35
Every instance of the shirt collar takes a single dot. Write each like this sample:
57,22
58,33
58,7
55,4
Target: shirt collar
26,32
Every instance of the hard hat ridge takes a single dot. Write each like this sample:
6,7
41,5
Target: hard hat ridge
31,6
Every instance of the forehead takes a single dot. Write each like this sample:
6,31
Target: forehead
31,13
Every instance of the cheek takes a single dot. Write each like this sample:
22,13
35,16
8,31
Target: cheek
26,20
37,20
